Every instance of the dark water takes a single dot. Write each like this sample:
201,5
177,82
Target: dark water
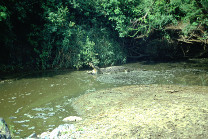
38,102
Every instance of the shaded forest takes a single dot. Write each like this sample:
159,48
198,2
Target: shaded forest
60,34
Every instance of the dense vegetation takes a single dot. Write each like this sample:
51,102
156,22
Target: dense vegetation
53,34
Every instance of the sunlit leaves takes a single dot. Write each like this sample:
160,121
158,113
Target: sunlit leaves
3,13
59,17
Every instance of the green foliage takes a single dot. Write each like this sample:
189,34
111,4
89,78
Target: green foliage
54,51
65,44
86,52
139,17
110,51
120,13
65,34
59,18
3,13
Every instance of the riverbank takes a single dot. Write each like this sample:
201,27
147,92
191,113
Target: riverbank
141,111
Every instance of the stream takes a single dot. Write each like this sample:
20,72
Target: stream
38,102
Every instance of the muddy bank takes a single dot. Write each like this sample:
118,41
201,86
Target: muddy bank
144,111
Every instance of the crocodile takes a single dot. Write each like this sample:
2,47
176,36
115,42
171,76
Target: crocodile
108,70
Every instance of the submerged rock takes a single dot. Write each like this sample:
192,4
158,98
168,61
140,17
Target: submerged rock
4,130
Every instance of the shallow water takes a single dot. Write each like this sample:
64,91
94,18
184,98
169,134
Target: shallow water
192,72
38,102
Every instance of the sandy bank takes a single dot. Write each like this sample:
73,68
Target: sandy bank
144,111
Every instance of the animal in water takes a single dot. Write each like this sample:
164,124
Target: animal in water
108,70
96,69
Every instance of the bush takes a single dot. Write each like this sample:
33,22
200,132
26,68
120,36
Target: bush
65,44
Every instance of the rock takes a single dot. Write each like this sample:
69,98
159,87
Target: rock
72,118
33,136
61,132
44,135
55,133
4,130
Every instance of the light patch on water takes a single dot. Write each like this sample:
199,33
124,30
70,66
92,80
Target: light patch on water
18,110
13,97
42,109
25,125
40,115
27,94
51,114
58,106
12,117
18,131
21,95
28,115
23,121
62,109
30,128
51,125
90,90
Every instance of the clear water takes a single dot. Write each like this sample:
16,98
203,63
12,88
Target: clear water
38,102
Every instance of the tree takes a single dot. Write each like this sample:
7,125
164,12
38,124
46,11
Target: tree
69,34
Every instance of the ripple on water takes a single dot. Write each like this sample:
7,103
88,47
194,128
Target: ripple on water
22,121
43,109
18,110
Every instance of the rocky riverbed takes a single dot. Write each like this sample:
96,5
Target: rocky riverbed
139,111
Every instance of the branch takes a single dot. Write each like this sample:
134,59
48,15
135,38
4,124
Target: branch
144,17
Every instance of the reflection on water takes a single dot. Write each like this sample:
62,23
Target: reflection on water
39,101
